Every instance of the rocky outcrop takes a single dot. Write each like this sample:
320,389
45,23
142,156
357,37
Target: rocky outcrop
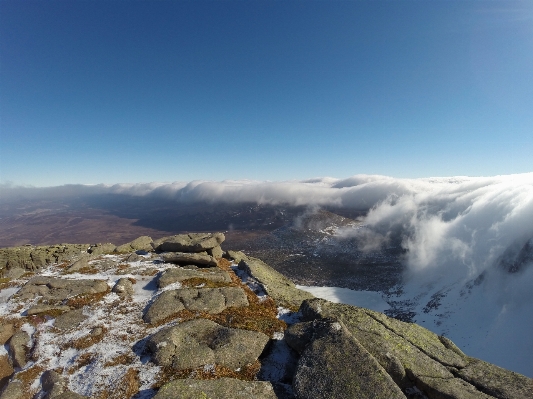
333,364
181,274
195,343
143,243
31,258
193,242
184,258
209,300
275,284
223,388
187,329
416,357
55,290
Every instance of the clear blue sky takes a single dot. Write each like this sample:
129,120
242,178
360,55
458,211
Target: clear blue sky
139,91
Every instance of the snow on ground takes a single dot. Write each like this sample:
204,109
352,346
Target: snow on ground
364,299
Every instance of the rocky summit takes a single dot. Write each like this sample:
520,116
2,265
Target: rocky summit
179,317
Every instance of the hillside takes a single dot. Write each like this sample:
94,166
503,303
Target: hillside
179,317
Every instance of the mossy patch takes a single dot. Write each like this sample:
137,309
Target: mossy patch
208,372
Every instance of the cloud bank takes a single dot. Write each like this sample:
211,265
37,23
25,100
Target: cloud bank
456,226
468,243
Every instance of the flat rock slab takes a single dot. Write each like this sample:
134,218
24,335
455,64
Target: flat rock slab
223,388
275,284
143,243
496,381
412,355
19,348
198,342
56,289
38,309
189,258
210,300
193,242
180,274
336,365
70,319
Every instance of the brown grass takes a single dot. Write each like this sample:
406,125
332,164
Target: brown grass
125,359
258,316
27,377
128,386
85,270
80,301
83,360
246,373
86,341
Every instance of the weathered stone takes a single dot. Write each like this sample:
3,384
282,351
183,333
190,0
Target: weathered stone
55,290
425,340
216,252
236,256
19,348
37,309
322,370
134,258
165,305
49,379
123,287
411,354
100,249
14,273
448,388
496,381
180,274
32,258
275,284
78,265
6,331
70,319
5,369
69,395
210,300
13,390
193,242
223,388
142,243
199,342
189,258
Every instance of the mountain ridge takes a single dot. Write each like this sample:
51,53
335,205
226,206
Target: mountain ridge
63,286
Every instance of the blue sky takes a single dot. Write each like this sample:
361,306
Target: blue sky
140,91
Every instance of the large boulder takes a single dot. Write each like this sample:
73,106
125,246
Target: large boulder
209,300
275,284
32,258
55,290
198,342
179,274
100,249
143,243
19,347
416,357
322,371
193,242
185,258
123,287
223,388
69,320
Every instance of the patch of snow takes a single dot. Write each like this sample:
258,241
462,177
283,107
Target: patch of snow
288,316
